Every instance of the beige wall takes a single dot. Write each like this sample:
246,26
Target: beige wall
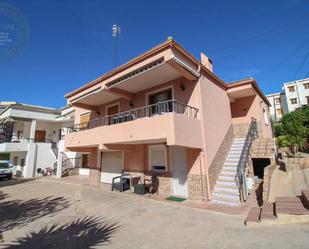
243,109
215,108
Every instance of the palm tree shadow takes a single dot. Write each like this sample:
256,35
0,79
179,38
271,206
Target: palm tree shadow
81,233
3,195
17,213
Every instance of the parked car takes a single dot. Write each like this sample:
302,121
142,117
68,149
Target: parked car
6,169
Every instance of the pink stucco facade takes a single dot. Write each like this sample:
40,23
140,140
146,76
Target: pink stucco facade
195,129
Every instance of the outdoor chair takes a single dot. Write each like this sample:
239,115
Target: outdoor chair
121,183
152,186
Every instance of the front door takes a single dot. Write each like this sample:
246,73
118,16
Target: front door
39,136
180,171
111,165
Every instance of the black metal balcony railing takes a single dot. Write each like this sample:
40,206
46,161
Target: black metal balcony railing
159,108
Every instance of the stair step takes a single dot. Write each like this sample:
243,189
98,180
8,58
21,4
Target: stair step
224,177
233,169
223,193
226,186
231,164
228,172
226,183
225,201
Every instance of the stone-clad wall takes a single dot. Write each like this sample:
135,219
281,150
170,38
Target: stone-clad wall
219,159
241,130
94,175
197,187
165,183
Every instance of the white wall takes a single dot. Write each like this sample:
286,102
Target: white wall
45,156
274,105
20,156
300,94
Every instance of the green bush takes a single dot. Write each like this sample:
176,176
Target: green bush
293,129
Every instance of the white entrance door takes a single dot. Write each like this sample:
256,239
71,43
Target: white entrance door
111,165
180,171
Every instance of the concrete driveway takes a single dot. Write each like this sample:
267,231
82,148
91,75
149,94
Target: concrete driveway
58,214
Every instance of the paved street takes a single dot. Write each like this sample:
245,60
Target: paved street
53,214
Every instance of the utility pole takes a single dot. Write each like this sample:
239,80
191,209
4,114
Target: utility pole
115,34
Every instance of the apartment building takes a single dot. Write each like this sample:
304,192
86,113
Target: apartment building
278,105
167,114
30,136
295,94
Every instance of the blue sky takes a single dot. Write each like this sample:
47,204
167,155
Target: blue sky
70,41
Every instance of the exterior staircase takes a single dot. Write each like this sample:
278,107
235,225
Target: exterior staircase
226,190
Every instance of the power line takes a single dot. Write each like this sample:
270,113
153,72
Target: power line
285,59
301,65
270,32
86,28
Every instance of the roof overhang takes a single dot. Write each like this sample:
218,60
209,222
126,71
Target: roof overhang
164,63
147,75
245,88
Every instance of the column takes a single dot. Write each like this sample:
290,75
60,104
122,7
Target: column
32,130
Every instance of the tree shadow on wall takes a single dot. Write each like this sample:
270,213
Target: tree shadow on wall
81,233
17,213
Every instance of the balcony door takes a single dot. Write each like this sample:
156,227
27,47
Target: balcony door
111,111
160,103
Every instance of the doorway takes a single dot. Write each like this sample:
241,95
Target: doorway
180,171
162,100
258,166
111,111
39,136
111,165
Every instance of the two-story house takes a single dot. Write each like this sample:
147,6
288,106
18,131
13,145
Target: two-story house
30,136
165,113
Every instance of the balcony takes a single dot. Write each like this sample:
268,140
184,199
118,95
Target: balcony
21,144
170,122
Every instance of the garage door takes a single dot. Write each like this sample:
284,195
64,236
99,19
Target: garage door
111,165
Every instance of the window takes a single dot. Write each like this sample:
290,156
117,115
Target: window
293,101
157,158
306,85
307,100
277,100
22,162
291,88
85,160
279,111
265,117
15,160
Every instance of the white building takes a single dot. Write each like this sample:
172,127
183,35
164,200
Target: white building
31,136
278,105
295,94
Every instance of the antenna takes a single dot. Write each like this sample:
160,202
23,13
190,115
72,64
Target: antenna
115,34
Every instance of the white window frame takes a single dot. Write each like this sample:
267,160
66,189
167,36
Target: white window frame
165,159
